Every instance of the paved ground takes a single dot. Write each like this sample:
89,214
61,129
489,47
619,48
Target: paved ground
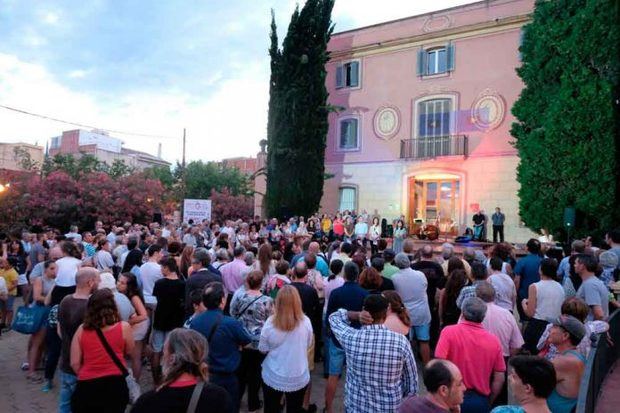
609,401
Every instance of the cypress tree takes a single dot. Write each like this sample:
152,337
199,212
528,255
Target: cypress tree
297,121
567,115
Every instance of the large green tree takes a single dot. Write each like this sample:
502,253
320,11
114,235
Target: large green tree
567,115
297,122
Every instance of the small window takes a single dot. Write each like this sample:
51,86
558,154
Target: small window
55,143
348,196
435,61
348,75
349,134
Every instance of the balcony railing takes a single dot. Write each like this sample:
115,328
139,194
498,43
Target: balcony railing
434,146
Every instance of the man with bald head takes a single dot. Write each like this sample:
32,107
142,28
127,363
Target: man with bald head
444,383
71,313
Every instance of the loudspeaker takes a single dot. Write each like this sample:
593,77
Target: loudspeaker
157,217
389,231
569,217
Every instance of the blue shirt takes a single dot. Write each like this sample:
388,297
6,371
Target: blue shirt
321,264
527,269
224,355
350,297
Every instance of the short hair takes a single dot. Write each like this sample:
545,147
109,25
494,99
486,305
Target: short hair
436,374
381,244
254,279
84,275
578,246
300,270
614,235
195,297
282,267
153,249
346,248
213,294
496,263
486,292
377,305
202,256
238,251
351,271
248,258
474,309
171,264
589,261
402,261
335,267
378,263
536,371
427,251
533,246
310,260
549,268
576,307
132,243
479,271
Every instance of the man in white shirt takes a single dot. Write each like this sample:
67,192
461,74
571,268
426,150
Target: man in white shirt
505,290
150,272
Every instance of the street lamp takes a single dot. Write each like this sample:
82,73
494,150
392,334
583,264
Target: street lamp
4,187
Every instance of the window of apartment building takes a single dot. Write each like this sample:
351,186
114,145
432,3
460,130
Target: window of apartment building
348,198
434,117
348,138
55,142
348,75
435,60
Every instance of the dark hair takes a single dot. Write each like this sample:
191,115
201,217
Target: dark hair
213,294
48,263
549,268
437,374
300,270
378,263
153,249
589,261
132,243
282,267
310,260
479,271
346,248
70,249
101,310
101,243
195,297
351,271
614,234
397,306
254,279
12,261
134,258
496,263
174,248
455,283
576,307
171,264
455,263
132,286
536,371
335,267
376,305
238,251
381,244
533,246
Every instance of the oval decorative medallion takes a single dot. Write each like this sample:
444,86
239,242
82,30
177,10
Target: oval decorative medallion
387,122
488,110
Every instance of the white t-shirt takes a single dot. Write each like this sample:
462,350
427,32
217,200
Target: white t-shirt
149,273
67,269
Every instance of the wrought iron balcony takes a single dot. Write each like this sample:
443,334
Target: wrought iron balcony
433,147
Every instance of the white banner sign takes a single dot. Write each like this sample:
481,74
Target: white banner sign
196,209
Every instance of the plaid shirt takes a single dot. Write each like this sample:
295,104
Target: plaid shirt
467,292
381,369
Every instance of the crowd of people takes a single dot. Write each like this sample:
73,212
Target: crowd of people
248,309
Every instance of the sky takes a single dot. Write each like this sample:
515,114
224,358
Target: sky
154,67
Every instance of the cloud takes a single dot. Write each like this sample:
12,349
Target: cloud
50,18
77,74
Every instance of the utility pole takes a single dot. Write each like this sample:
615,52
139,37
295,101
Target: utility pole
182,200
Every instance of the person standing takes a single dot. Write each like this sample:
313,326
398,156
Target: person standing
97,356
592,289
374,352
400,233
445,387
498,219
411,285
526,273
200,276
150,272
479,223
478,355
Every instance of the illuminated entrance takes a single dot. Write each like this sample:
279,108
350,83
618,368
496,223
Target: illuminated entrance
434,200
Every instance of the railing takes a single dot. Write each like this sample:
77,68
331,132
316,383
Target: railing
601,359
434,146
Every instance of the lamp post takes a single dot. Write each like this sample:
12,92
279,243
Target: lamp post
4,187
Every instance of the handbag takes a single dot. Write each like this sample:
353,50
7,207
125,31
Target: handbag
29,320
132,384
193,402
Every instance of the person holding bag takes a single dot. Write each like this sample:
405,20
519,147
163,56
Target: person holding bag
98,350
185,386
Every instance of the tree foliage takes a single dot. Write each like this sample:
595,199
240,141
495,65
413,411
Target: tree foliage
297,121
85,164
201,178
567,122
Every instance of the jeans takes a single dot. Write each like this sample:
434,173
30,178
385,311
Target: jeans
474,402
67,387
53,345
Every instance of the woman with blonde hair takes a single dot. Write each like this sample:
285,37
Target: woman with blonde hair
286,337
185,378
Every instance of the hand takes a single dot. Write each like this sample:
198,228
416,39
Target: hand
524,303
365,318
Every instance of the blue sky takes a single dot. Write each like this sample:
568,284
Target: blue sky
154,67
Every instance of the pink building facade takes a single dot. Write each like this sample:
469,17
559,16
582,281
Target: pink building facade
424,125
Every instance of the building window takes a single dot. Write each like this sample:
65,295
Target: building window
434,117
55,143
348,75
349,134
348,197
435,61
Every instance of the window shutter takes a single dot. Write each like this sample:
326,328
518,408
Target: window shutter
421,61
450,56
353,133
339,77
344,126
355,74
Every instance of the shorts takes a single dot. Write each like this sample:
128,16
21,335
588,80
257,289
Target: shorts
420,333
336,359
140,330
158,338
8,304
22,279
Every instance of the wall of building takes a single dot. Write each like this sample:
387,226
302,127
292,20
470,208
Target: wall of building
10,162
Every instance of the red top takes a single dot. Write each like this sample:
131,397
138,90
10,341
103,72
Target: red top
475,351
338,227
184,383
96,362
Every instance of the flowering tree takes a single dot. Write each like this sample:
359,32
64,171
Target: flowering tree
225,205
